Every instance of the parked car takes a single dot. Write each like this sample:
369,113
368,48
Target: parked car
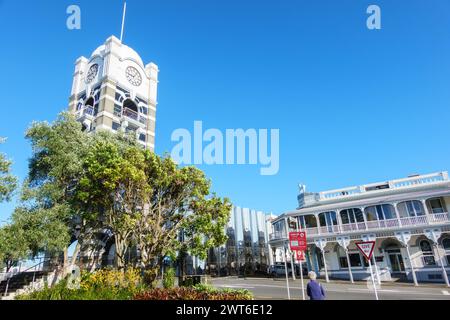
279,271
297,270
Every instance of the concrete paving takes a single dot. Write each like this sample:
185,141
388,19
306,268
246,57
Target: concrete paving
264,288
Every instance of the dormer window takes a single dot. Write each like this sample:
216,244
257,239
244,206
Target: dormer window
378,187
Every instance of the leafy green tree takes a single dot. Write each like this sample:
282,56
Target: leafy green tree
55,167
42,230
80,185
8,182
13,246
181,217
114,186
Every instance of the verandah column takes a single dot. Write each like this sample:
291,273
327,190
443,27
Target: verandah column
321,243
363,210
434,235
404,237
397,214
345,242
290,252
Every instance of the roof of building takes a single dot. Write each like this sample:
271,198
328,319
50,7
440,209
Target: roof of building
418,186
125,53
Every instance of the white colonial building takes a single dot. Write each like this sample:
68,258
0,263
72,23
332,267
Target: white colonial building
408,218
113,90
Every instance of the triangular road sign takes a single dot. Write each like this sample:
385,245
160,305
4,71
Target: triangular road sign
366,248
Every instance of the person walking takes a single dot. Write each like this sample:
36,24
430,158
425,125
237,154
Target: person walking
314,289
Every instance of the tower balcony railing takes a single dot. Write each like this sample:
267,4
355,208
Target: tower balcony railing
86,111
375,225
131,114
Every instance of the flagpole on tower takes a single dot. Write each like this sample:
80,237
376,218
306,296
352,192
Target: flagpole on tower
123,20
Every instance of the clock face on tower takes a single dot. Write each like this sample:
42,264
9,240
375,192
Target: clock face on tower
92,73
133,76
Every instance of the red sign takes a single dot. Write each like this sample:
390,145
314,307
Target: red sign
366,248
300,256
297,241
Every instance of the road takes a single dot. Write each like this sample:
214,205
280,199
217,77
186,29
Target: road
335,290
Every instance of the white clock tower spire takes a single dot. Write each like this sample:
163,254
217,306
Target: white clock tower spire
123,20
113,90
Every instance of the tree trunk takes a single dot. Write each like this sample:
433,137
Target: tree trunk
65,260
75,255
120,252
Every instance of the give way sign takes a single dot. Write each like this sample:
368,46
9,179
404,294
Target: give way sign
366,248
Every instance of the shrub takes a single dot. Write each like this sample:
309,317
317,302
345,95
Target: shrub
169,278
151,277
129,279
201,292
99,285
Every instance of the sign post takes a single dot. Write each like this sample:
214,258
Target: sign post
366,249
297,242
301,257
287,272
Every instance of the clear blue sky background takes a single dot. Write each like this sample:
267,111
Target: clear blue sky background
353,106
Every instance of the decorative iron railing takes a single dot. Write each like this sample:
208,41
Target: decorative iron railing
389,224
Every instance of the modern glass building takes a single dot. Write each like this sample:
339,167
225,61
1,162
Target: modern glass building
247,250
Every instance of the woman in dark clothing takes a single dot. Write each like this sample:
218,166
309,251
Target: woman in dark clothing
314,289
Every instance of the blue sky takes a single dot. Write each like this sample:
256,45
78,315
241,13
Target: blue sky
353,106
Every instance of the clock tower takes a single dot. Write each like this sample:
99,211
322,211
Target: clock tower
113,90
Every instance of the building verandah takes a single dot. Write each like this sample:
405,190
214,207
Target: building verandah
420,257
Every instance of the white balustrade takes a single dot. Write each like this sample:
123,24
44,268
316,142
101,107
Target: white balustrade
393,184
437,218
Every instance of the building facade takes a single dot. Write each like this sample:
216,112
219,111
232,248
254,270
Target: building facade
113,90
407,218
247,250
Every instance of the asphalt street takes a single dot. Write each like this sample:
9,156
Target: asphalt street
264,288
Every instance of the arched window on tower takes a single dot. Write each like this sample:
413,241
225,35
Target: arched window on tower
89,106
130,109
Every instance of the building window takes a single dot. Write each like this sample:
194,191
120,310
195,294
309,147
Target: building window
354,257
143,110
380,212
115,126
319,257
353,215
355,260
427,253
436,206
328,219
131,130
412,208
117,110
142,137
446,245
343,262
308,221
